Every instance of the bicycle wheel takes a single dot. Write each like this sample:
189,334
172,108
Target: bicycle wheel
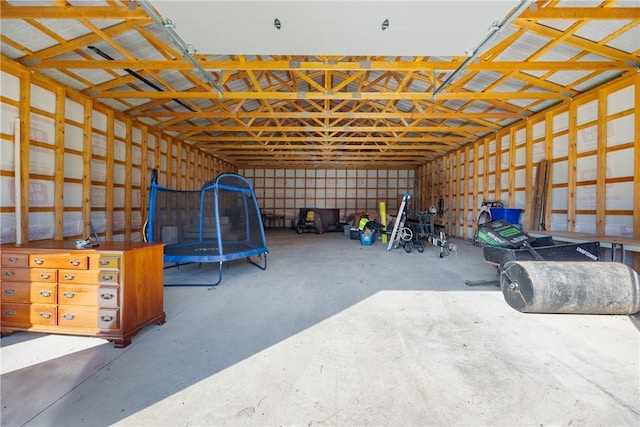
406,234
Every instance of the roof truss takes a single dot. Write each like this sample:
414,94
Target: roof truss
322,111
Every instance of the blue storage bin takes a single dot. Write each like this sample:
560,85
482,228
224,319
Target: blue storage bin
367,239
510,215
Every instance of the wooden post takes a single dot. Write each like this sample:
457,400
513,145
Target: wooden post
548,153
512,170
528,174
571,168
601,164
86,169
144,179
127,179
636,172
109,183
465,192
22,205
58,198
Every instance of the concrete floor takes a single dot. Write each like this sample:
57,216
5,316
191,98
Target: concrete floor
334,333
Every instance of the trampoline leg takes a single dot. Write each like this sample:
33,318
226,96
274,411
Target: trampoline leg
262,267
200,284
177,265
219,275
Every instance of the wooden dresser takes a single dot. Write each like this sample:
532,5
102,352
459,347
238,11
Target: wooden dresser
111,291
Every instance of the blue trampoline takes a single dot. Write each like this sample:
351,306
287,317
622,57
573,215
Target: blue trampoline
220,222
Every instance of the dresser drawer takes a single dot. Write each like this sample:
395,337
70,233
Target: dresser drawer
90,295
105,262
109,291
88,276
15,260
28,314
44,293
11,274
88,317
80,262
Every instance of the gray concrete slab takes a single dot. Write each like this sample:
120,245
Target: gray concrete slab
334,333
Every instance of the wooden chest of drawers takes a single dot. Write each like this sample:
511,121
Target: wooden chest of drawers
111,291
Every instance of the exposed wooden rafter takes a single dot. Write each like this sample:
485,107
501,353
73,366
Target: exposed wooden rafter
323,111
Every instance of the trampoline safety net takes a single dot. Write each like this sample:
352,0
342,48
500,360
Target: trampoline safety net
219,222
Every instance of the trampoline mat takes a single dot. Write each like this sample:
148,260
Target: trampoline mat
208,251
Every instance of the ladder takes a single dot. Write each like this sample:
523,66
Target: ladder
399,220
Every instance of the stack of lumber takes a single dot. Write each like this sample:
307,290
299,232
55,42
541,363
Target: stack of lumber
539,196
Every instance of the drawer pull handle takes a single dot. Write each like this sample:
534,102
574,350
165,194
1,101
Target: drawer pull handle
69,276
69,294
9,291
104,262
74,262
45,293
9,273
107,296
9,312
106,318
107,277
69,316
13,259
38,261
45,315
45,276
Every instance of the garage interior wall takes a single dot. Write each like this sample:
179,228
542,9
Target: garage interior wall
86,163
83,163
593,145
283,192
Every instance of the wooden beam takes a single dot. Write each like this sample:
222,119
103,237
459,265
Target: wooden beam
25,143
571,167
579,42
326,114
416,151
580,13
528,175
398,96
144,179
71,12
331,129
127,180
86,168
548,150
307,153
636,169
81,42
454,141
110,167
408,67
58,178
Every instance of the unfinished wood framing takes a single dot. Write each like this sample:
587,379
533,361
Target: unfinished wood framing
86,170
58,203
109,176
25,120
322,120
79,176
283,192
579,138
368,112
